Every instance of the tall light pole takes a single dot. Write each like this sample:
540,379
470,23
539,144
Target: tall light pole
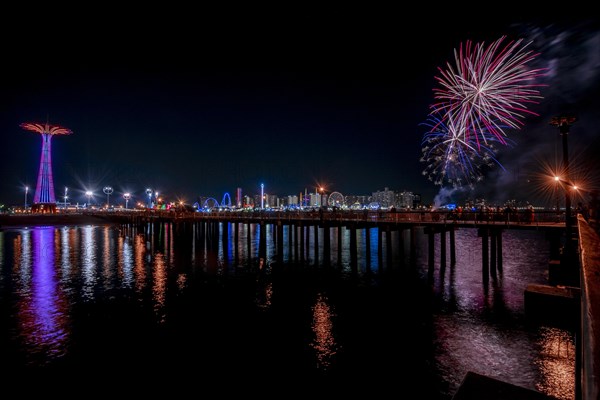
262,196
107,191
557,180
89,196
149,193
564,122
126,196
66,190
26,192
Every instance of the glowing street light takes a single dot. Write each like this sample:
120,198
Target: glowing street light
26,192
557,180
262,196
89,195
149,193
126,196
107,191
66,190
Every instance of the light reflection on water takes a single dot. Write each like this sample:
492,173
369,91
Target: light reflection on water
41,309
324,343
482,327
556,362
48,272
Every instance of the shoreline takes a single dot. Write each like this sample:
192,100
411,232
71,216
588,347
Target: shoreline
20,221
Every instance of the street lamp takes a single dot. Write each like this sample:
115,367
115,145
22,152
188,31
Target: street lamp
564,122
557,180
149,193
89,196
107,191
66,190
126,196
26,191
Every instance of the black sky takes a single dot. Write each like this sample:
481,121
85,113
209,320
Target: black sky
199,105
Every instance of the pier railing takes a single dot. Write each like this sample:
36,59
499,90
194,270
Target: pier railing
545,218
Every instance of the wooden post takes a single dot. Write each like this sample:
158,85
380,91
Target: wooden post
339,247
388,247
353,248
443,248
279,242
485,256
368,247
249,242
431,250
316,235
379,248
499,250
494,234
452,248
301,243
236,238
326,244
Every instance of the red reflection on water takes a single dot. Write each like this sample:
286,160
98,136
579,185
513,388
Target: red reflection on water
556,361
42,309
324,342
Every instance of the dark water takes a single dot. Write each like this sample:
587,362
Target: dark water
103,304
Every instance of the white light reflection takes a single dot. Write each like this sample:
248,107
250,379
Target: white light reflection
126,262
88,261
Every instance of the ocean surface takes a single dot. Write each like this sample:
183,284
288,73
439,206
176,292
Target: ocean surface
103,305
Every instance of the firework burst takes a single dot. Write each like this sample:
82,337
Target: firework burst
450,158
486,93
489,89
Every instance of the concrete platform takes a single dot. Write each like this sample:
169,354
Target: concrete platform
476,387
553,304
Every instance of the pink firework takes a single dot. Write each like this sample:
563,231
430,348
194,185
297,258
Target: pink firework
488,89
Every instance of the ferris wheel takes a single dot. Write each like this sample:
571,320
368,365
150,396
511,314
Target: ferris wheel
335,199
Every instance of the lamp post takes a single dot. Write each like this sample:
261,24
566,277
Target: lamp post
149,193
26,192
557,180
66,190
564,122
126,196
89,196
107,191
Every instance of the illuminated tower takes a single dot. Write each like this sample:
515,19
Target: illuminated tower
44,200
238,198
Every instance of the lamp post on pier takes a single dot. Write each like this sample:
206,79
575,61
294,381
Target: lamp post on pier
108,190
564,122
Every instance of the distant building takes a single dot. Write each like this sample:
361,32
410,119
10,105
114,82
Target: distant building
385,198
238,198
292,201
405,200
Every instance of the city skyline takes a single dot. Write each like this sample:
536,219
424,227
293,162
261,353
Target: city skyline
334,107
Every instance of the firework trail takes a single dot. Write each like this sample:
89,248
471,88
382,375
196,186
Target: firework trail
485,94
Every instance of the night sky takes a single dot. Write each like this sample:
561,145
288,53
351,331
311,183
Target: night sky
197,105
